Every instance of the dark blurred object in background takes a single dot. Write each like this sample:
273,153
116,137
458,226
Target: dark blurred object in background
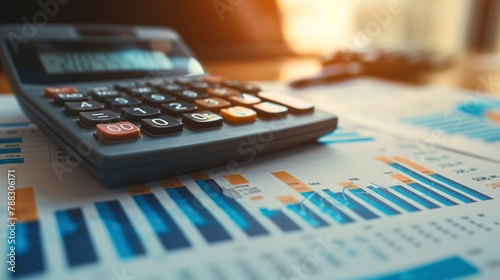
213,28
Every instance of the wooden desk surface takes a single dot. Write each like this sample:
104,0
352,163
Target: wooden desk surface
466,72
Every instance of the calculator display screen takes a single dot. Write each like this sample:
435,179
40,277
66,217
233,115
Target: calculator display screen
105,61
70,61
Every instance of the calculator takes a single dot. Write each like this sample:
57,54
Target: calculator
133,104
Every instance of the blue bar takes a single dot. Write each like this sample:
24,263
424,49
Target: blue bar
121,232
166,229
280,219
484,134
11,160
449,268
385,193
375,202
415,197
204,221
10,140
433,184
430,193
232,208
307,215
461,187
75,235
477,126
10,151
328,208
29,253
348,140
352,204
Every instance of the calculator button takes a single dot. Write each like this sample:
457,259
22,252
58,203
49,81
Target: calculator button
199,86
101,93
118,131
177,108
214,80
161,125
91,119
238,114
190,95
139,91
244,99
51,92
83,106
135,114
270,110
222,92
155,98
155,83
171,88
115,103
183,81
213,104
295,105
125,86
62,98
202,119
242,86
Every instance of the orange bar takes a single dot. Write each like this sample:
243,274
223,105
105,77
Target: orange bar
258,197
288,199
199,176
138,190
384,160
493,116
350,184
292,182
25,205
414,165
236,179
403,179
171,183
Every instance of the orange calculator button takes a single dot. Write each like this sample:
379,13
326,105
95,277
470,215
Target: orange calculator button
238,114
53,91
213,104
118,131
244,99
270,110
295,105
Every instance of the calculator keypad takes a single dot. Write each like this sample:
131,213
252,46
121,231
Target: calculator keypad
162,107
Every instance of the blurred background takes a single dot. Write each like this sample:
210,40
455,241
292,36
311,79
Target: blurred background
286,39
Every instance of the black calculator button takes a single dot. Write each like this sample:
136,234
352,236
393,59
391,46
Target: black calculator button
161,125
270,110
222,92
183,81
91,119
213,104
139,91
155,99
214,80
101,93
202,119
135,114
199,86
125,86
75,108
170,88
295,105
177,108
62,98
242,86
155,83
115,103
190,95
